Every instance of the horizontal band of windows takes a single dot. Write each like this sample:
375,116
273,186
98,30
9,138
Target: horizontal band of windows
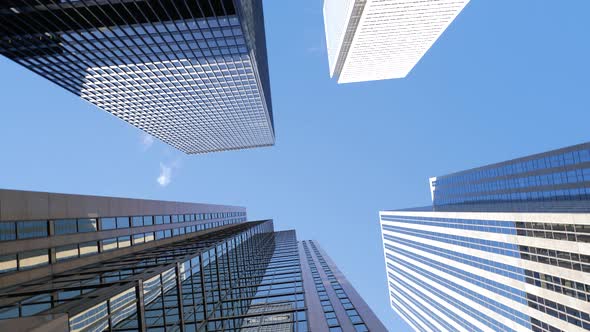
564,286
564,232
35,258
11,230
563,259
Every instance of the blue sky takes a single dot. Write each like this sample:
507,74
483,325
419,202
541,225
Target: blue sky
508,78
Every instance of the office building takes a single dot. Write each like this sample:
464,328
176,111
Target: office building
504,247
383,39
86,263
193,74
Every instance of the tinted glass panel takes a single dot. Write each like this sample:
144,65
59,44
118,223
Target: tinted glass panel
30,259
124,241
65,252
109,244
123,222
159,220
137,221
7,231
147,220
7,263
88,248
108,223
86,225
30,229
64,226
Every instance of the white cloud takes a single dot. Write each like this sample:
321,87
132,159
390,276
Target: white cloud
147,141
165,175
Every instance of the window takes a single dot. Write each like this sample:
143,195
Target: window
34,258
66,252
137,221
138,238
124,241
64,226
31,229
159,220
122,222
148,220
86,225
8,263
88,248
108,223
109,244
7,231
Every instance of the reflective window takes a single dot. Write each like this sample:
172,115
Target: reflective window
30,259
137,221
109,244
122,222
124,241
67,226
66,252
108,223
31,229
86,225
8,263
88,248
148,221
7,231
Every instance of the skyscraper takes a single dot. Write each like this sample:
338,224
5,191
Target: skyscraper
86,263
192,73
382,39
504,247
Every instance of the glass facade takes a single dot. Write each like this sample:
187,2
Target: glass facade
12,230
244,277
554,176
206,271
191,73
505,247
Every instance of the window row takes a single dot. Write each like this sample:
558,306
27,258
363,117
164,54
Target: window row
504,290
556,284
565,232
563,259
557,160
10,230
35,258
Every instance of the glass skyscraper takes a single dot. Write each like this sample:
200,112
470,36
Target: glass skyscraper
504,247
86,263
192,73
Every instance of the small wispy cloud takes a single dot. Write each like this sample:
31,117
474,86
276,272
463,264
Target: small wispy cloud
165,175
146,141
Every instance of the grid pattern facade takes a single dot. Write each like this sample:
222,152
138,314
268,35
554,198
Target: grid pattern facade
383,39
137,230
191,73
243,276
505,247
166,269
482,271
561,175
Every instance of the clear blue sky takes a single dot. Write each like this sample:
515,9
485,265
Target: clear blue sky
508,78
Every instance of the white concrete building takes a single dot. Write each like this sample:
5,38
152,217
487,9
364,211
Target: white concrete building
382,39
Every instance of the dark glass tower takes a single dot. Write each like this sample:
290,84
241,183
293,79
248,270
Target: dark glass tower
192,73
83,263
505,247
